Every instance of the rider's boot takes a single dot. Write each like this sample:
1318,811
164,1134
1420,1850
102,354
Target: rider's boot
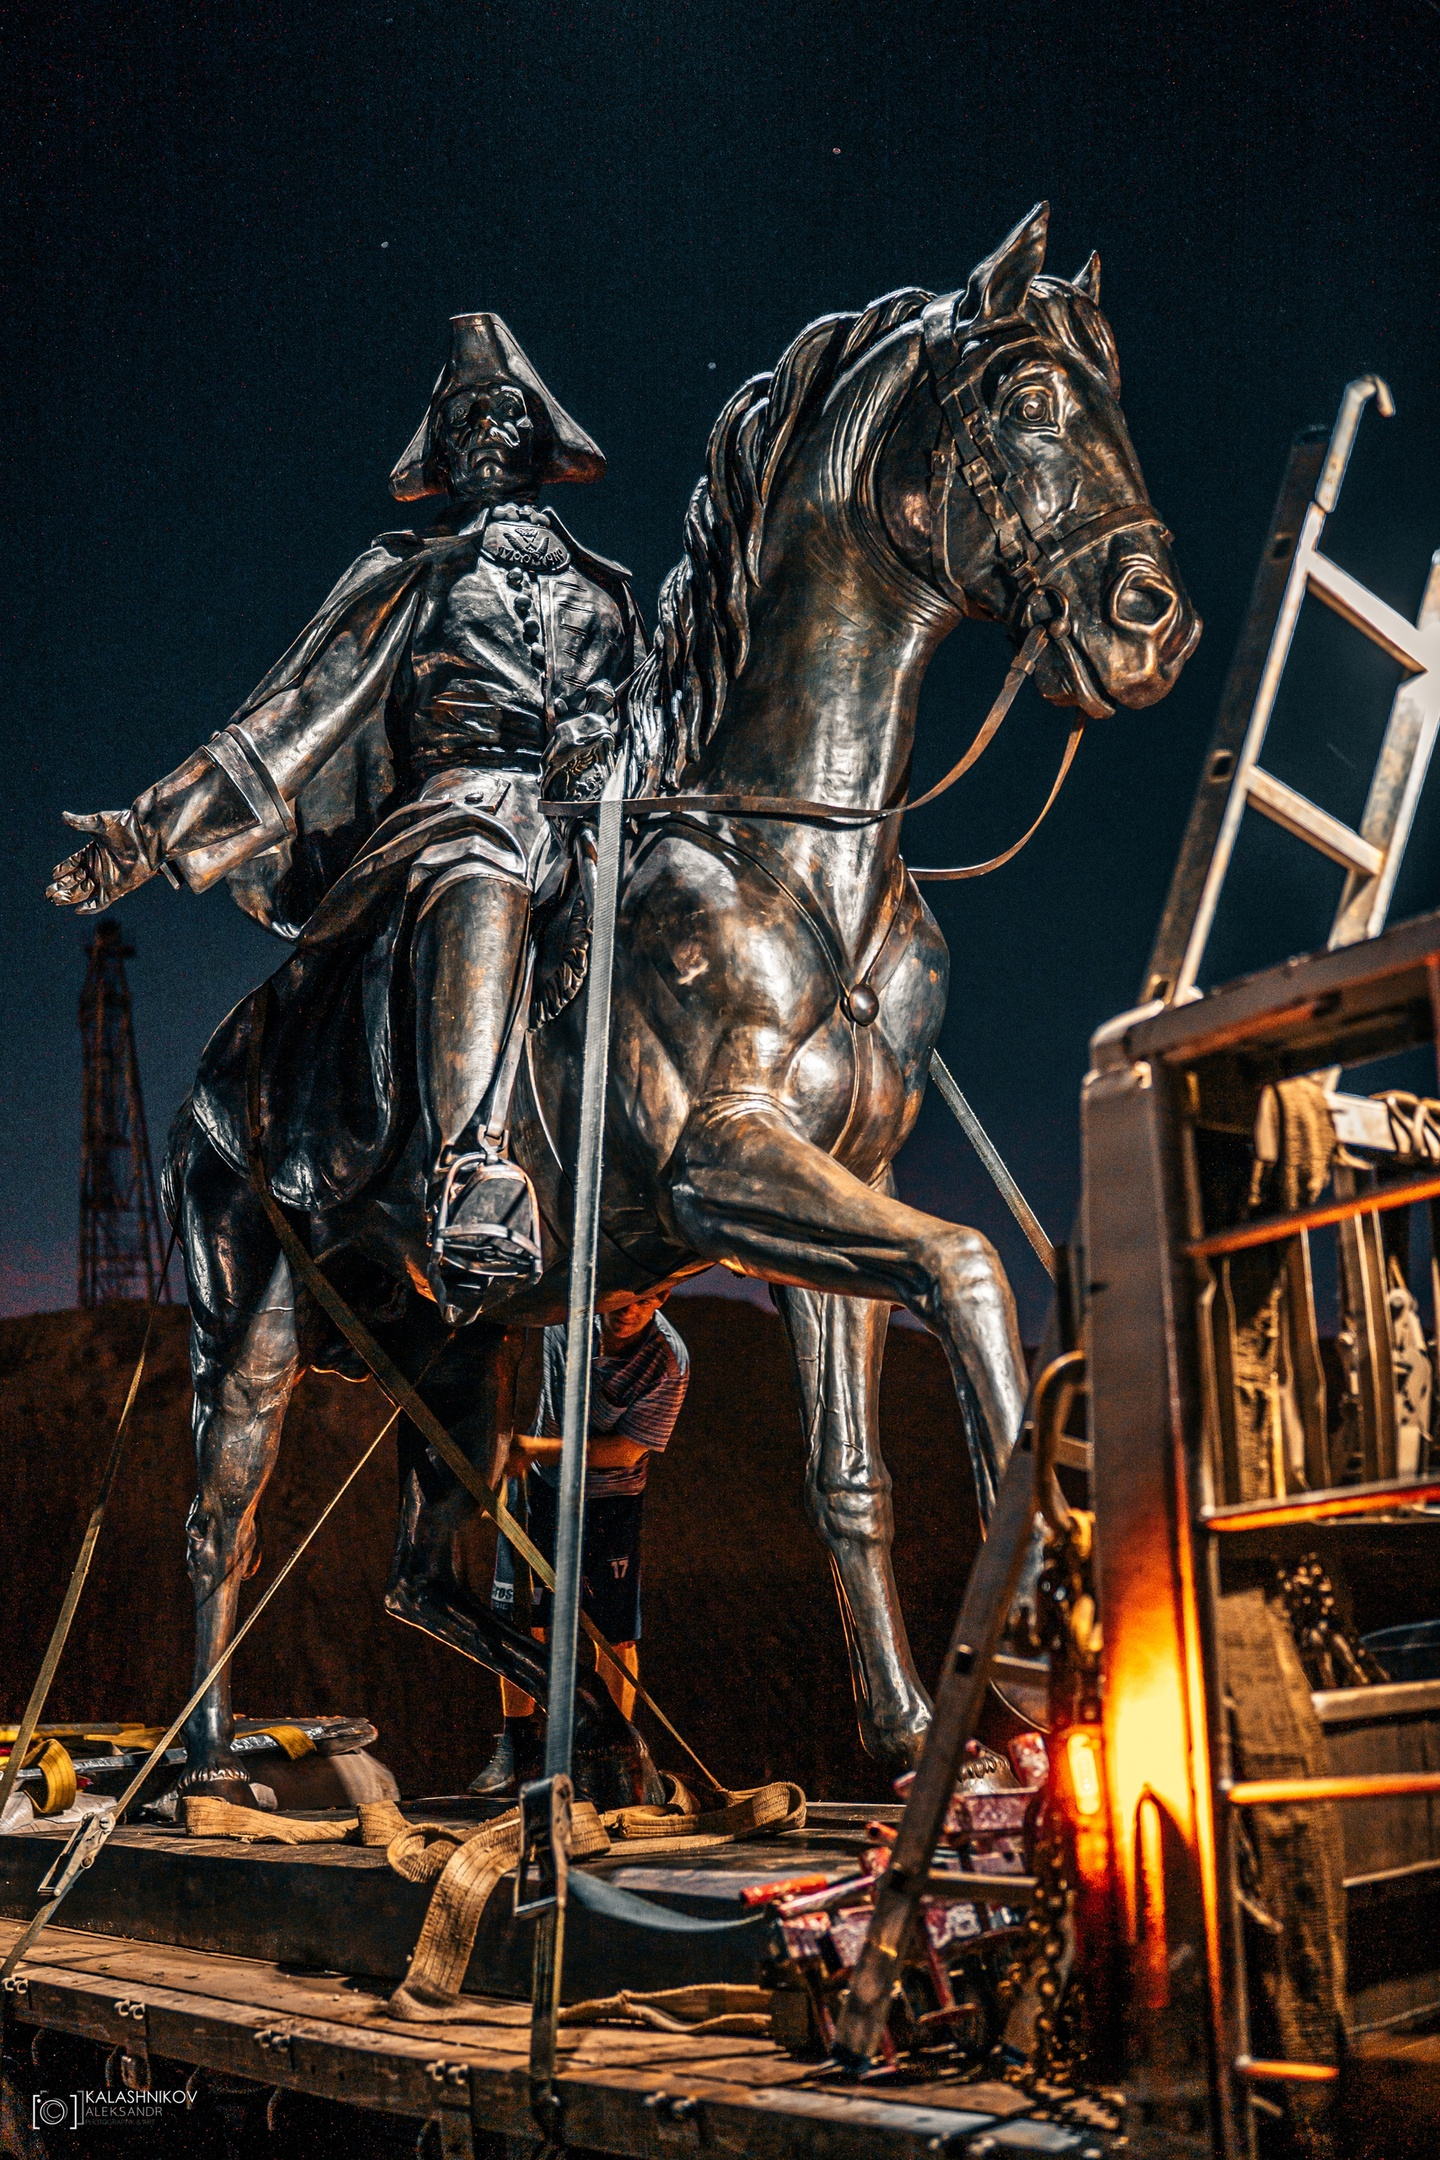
471,952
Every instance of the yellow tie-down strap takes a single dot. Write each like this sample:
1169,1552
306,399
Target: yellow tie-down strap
51,1752
121,1735
53,1749
56,1765
289,1737
466,1865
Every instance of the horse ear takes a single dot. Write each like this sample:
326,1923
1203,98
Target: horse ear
1087,280
999,285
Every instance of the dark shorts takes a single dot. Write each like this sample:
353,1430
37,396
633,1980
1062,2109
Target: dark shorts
610,1561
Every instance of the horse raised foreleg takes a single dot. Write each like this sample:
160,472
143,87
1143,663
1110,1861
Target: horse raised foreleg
837,1345
745,1185
244,1364
611,1763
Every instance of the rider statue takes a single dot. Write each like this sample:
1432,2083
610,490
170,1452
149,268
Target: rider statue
378,800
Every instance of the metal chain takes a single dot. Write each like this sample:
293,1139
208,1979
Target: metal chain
1331,1652
1059,2054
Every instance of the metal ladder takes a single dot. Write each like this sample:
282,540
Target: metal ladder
1290,567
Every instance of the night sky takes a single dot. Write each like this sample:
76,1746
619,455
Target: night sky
231,243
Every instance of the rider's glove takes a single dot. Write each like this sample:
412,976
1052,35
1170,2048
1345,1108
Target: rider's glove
580,747
114,862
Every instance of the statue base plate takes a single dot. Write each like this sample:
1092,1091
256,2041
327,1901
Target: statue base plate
340,1908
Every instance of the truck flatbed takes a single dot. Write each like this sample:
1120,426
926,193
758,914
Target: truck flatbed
626,2091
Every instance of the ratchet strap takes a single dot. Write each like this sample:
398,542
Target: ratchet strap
466,1866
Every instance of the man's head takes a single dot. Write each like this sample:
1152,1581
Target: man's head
629,1321
492,430
484,443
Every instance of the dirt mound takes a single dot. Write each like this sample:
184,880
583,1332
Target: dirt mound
743,1643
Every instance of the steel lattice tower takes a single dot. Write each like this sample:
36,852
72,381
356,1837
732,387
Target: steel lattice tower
121,1251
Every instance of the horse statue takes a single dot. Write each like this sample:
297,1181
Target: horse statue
779,983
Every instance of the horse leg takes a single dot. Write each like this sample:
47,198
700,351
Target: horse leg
244,1363
836,1347
611,1764
744,1185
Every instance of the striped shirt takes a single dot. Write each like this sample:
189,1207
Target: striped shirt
634,1395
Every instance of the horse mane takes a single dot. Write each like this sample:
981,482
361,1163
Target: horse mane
702,636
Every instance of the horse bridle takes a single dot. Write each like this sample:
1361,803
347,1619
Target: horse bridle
1032,557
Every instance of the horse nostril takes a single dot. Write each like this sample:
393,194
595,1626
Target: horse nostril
1143,600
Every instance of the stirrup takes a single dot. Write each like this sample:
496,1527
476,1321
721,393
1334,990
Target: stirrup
499,1240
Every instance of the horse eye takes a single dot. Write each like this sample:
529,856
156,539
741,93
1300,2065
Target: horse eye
1032,408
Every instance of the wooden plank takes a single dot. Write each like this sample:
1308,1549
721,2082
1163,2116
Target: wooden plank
647,2095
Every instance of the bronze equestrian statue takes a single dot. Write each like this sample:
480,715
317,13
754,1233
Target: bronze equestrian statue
779,983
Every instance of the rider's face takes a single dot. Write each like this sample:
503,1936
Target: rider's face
486,442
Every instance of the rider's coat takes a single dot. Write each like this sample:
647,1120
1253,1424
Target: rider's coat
400,743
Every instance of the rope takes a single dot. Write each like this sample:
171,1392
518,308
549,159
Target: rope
60,1633
77,1862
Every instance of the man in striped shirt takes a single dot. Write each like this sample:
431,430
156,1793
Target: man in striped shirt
637,1385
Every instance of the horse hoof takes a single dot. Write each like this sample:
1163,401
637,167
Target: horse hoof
214,1781
898,1749
616,1772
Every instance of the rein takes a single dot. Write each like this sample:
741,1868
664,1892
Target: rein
801,809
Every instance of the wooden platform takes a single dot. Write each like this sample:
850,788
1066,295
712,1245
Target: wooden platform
626,2092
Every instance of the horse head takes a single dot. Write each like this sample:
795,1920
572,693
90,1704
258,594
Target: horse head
925,459
1013,486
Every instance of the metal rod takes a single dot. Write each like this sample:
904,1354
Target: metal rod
990,1155
548,1971
1290,1791
1284,2073
1277,1227
47,1911
565,1616
959,1699
1325,1506
1342,440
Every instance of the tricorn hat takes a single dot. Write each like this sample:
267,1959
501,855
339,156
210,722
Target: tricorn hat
483,350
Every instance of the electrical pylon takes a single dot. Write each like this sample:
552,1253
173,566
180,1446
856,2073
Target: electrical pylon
121,1252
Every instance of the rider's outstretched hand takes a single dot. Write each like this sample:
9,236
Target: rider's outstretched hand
110,865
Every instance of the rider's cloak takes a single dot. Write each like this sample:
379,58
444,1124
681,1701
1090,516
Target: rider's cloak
322,737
